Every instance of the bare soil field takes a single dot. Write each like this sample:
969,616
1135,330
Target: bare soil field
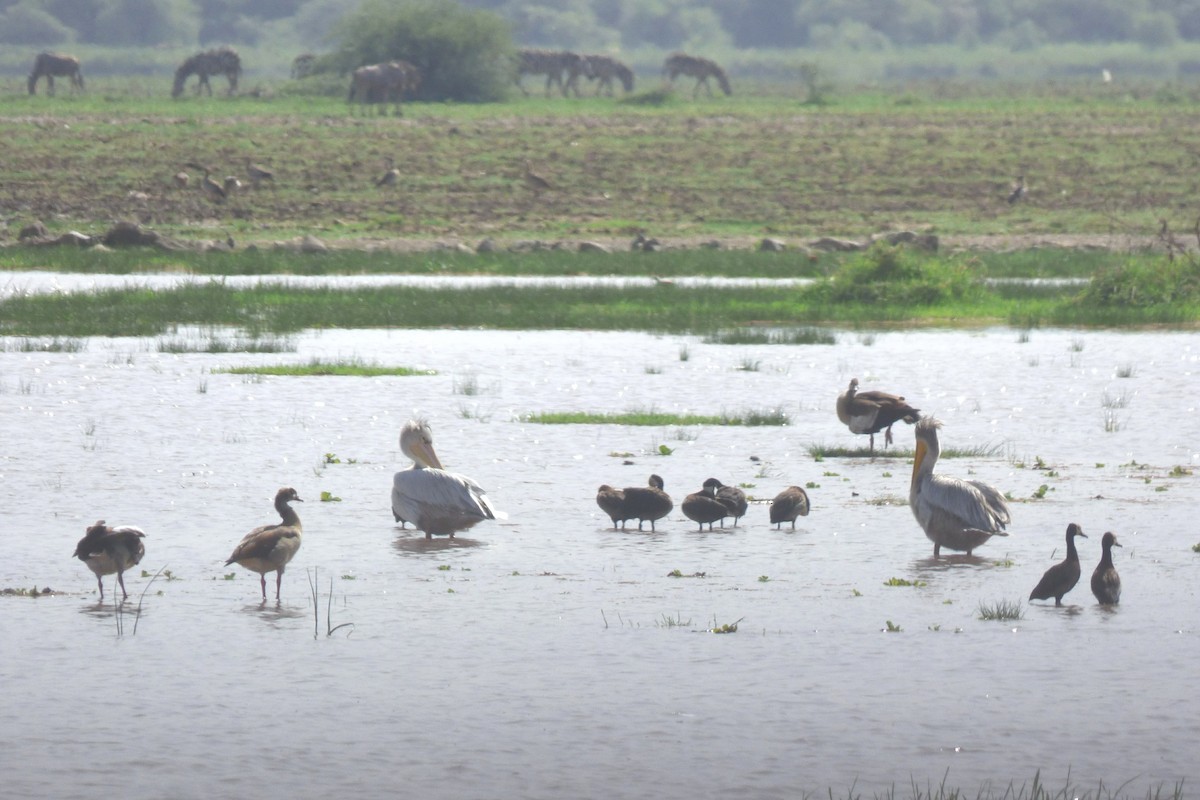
1097,174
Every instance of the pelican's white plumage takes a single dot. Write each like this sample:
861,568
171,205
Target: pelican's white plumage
954,513
432,499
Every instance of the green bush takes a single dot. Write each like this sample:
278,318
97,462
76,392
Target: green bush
27,25
887,275
1143,284
463,54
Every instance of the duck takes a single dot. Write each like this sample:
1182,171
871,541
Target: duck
792,502
704,507
954,513
269,548
647,503
1106,583
1062,577
438,502
612,502
873,411
108,550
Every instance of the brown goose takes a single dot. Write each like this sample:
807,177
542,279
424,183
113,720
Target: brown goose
107,550
647,503
792,502
536,182
1106,583
612,502
733,498
872,412
269,548
1018,189
258,173
955,514
703,506
1062,577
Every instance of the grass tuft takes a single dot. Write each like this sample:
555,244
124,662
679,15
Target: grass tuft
1003,610
353,367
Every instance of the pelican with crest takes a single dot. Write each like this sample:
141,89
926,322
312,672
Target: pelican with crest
438,502
954,513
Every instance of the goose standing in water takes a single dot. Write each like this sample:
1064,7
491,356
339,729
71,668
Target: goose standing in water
432,499
703,506
269,548
1106,583
954,513
792,502
1062,577
647,503
872,412
107,550
733,498
612,502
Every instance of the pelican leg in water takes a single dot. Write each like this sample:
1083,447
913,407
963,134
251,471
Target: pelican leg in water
108,550
954,513
438,502
872,412
269,548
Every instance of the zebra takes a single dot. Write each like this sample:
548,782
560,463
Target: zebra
604,69
554,64
218,61
699,68
377,83
55,64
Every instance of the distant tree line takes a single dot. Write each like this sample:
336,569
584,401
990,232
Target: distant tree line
627,24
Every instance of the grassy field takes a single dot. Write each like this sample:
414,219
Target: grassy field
1098,163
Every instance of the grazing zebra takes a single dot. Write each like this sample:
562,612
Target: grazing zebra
604,69
302,66
699,68
219,61
51,65
379,83
554,64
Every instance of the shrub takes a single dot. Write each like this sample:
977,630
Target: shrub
888,275
1144,283
463,54
27,25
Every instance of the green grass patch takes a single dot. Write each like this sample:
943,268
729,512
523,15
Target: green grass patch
652,418
820,451
903,582
1002,610
776,336
317,366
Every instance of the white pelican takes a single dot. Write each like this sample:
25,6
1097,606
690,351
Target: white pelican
269,548
1106,583
107,550
1062,577
792,502
872,412
432,499
955,514
703,506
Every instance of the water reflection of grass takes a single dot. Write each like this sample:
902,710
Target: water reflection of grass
353,367
747,418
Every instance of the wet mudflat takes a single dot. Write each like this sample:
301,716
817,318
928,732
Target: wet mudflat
548,655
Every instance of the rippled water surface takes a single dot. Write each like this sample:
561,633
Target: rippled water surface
550,656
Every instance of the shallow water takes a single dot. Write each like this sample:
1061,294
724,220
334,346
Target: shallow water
549,656
18,283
